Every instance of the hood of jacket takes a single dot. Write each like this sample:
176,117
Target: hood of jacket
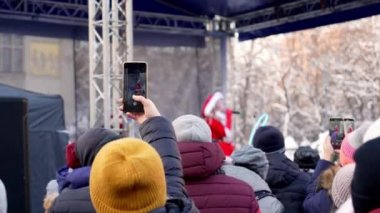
89,144
282,171
200,160
78,178
252,158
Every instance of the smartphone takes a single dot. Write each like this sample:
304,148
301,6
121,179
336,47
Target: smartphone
349,125
135,83
337,131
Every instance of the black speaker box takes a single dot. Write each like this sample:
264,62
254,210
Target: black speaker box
14,166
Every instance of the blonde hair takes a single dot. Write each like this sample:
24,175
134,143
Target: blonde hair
49,200
327,177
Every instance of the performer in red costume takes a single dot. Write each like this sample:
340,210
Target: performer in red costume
219,118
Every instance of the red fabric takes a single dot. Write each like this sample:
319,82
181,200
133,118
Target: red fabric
227,148
229,119
210,191
375,211
71,158
219,133
217,129
222,194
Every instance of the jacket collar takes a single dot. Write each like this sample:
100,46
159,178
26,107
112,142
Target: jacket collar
75,179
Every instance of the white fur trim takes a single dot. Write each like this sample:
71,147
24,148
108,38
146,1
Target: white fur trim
212,103
221,116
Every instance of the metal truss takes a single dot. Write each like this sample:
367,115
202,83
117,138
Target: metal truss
293,12
76,13
172,24
110,45
62,12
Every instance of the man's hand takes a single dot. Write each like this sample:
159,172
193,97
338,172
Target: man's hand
150,109
328,150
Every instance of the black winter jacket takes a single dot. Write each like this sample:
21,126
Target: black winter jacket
159,133
287,182
78,200
73,200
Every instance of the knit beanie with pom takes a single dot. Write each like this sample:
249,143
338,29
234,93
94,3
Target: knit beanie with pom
351,143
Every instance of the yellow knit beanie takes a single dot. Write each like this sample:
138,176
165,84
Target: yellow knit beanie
127,175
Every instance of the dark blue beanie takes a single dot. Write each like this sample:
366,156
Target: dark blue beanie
268,139
365,186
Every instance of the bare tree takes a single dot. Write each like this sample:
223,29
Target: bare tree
303,78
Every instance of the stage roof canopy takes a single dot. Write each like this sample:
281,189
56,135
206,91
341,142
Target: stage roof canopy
249,18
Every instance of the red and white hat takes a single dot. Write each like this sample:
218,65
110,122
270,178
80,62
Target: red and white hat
210,103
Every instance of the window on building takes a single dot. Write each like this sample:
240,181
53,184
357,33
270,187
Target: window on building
11,53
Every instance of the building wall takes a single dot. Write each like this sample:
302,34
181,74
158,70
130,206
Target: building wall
39,64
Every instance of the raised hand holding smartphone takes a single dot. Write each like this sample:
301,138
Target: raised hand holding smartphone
150,109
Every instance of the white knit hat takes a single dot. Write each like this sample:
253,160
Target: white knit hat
341,187
190,128
373,131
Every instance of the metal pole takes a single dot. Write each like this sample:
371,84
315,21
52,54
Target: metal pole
91,57
115,64
129,29
129,49
106,64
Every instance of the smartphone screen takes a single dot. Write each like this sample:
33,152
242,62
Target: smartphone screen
135,83
337,132
349,125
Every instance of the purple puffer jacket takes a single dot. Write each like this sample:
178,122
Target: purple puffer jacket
210,190
318,200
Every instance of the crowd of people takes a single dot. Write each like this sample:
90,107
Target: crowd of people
180,167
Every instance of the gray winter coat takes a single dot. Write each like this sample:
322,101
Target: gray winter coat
251,166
